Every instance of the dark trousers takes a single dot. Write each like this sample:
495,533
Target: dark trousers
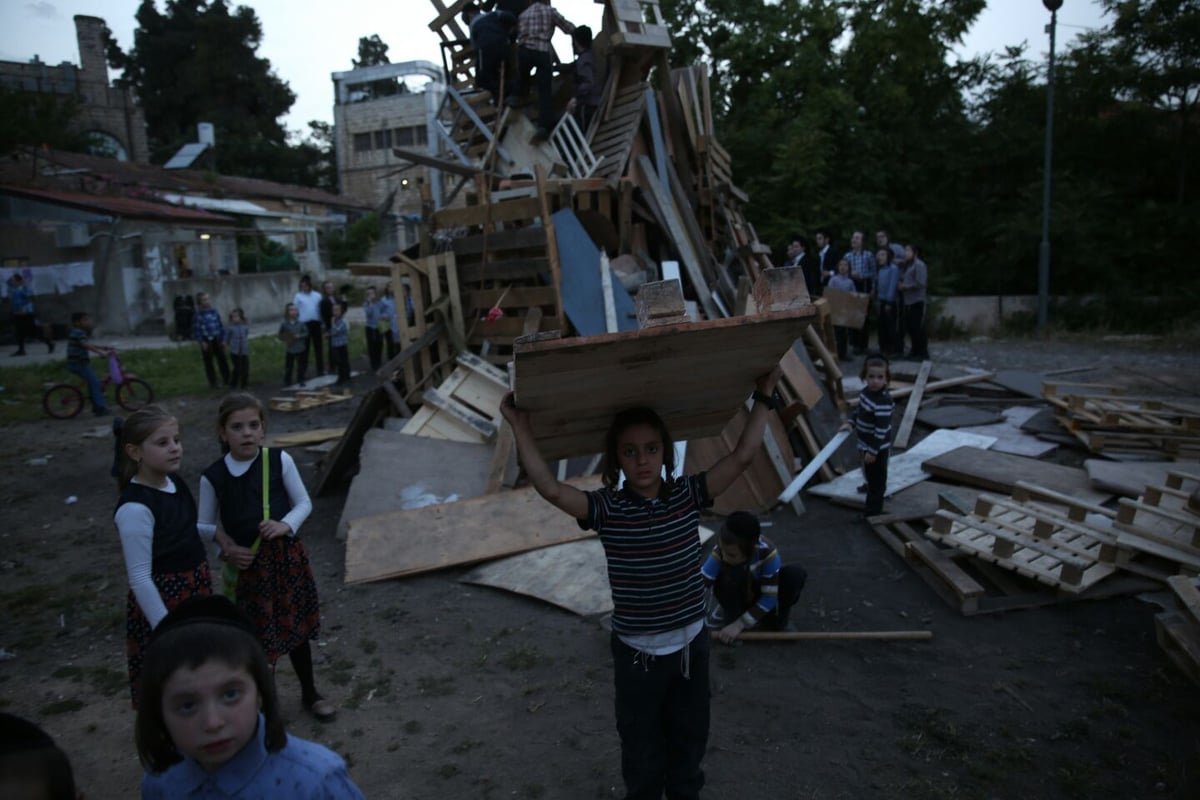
239,376
662,718
339,359
374,347
490,60
735,597
527,61
861,338
297,360
393,347
876,475
316,335
25,327
914,323
887,328
215,351
95,391
841,335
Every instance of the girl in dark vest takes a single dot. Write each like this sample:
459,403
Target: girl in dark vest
271,579
156,519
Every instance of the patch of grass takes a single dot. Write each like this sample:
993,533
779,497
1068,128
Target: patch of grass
412,727
466,746
533,790
392,614
436,686
1072,730
341,672
523,659
447,771
368,646
172,370
69,672
65,706
1076,779
108,681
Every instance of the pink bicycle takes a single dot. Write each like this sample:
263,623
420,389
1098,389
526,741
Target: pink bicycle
66,400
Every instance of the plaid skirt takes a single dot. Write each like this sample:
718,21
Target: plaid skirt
174,588
279,595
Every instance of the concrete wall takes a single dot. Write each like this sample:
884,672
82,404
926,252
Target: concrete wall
262,296
982,315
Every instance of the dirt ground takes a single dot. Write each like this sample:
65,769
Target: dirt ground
449,690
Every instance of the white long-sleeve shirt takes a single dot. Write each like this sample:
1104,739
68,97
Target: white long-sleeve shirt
135,526
210,506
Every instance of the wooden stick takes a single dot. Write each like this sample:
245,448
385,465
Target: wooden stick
803,636
962,380
914,404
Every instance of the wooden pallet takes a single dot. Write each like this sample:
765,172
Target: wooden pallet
972,586
1032,540
1180,640
1157,525
304,400
466,406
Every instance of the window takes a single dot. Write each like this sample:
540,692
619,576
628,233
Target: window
362,142
383,139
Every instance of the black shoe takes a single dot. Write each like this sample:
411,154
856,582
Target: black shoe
49,347
862,488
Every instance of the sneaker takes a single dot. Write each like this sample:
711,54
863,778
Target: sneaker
321,709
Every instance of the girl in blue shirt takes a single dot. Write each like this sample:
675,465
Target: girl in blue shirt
209,725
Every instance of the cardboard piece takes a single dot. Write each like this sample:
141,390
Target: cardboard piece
904,469
399,471
573,576
451,534
847,309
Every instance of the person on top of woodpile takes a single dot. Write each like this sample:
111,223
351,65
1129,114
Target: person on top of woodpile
492,35
586,98
535,27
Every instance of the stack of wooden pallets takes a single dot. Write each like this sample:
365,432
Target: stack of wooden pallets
1106,420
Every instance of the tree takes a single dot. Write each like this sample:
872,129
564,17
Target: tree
372,52
39,119
197,62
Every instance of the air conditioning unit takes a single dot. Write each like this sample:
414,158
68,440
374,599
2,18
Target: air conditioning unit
72,234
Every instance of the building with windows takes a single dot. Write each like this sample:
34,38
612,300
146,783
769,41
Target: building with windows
377,109
108,114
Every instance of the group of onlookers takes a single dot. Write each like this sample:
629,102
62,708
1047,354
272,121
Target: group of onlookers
892,274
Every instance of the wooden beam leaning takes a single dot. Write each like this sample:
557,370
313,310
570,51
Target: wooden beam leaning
914,404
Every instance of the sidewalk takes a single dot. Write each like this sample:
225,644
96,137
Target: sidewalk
35,351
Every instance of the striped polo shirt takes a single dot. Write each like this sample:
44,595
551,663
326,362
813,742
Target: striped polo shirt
653,552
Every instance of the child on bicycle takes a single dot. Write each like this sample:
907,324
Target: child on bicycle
79,349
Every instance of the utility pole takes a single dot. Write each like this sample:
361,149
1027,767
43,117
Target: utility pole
1044,252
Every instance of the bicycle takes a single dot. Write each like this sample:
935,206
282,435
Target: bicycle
66,400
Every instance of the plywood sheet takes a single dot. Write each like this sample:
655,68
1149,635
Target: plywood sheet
401,471
573,576
999,472
451,534
922,499
695,375
904,469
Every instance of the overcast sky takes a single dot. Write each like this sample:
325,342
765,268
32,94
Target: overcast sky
307,41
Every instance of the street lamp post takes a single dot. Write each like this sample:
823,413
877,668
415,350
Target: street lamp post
1044,252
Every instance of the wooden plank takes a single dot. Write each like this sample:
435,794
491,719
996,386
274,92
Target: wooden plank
948,383
1000,472
336,466
298,438
687,254
695,375
1180,641
848,309
914,404
1188,592
451,534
